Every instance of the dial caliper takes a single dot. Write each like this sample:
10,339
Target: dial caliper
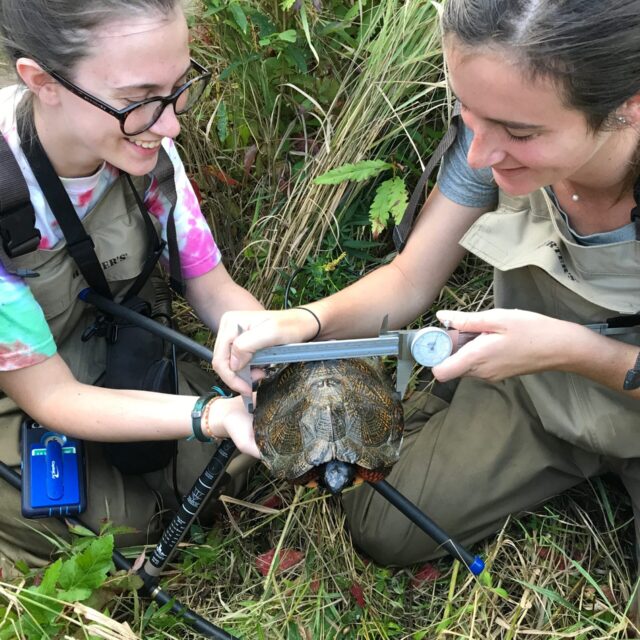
427,346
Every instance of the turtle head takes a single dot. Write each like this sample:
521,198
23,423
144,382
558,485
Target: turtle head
337,475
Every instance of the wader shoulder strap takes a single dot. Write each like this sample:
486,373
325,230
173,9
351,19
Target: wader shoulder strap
17,217
635,212
167,184
403,229
79,244
155,245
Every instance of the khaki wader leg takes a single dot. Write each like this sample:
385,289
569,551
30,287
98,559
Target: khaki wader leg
629,472
467,465
141,502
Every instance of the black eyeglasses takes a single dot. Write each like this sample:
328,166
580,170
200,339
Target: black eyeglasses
142,115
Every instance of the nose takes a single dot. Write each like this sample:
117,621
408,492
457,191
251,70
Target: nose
167,125
485,150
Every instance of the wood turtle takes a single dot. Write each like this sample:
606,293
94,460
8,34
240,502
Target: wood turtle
329,422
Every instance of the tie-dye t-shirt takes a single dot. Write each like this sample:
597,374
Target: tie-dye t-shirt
25,338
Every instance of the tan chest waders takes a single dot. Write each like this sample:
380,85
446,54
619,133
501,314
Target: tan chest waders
114,250
493,450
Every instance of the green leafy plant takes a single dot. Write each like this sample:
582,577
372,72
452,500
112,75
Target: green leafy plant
44,609
390,198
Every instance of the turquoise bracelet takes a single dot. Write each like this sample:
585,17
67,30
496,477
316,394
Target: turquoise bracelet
196,416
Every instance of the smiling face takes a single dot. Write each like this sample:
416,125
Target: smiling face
131,60
522,129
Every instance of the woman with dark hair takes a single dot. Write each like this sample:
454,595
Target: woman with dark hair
540,183
102,84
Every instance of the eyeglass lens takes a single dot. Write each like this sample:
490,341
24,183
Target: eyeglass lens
144,116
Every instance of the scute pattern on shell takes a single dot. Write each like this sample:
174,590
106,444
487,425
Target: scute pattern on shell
313,412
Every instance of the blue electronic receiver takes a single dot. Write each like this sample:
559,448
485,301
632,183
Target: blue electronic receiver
53,473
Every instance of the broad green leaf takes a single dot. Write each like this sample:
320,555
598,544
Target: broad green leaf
77,594
362,170
485,579
295,57
48,585
239,17
263,23
87,570
289,35
390,202
42,609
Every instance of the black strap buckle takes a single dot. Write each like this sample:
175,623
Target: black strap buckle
18,231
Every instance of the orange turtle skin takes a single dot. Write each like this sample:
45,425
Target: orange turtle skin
314,413
310,478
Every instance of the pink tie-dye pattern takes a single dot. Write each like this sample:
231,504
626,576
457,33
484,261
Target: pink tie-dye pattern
85,198
154,203
197,242
10,357
201,249
189,200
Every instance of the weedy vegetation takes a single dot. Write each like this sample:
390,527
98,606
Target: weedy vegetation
317,126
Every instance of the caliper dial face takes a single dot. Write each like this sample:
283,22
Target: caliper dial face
430,346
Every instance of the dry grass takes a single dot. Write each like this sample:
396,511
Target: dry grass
562,572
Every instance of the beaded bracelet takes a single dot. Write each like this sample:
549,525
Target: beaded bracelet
204,421
317,333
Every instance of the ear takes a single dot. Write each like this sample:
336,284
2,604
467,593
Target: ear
630,110
38,81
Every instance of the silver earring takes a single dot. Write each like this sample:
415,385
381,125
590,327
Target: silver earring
621,120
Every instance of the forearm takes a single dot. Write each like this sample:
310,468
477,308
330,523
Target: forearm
63,404
599,358
214,293
113,415
407,286
512,342
358,310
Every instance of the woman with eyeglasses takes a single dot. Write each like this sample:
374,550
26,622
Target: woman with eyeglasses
102,83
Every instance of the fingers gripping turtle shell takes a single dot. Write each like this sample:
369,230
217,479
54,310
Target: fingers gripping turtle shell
312,413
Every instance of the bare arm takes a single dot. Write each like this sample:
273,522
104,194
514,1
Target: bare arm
402,289
214,293
50,394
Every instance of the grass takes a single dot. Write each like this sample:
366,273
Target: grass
565,571
375,90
